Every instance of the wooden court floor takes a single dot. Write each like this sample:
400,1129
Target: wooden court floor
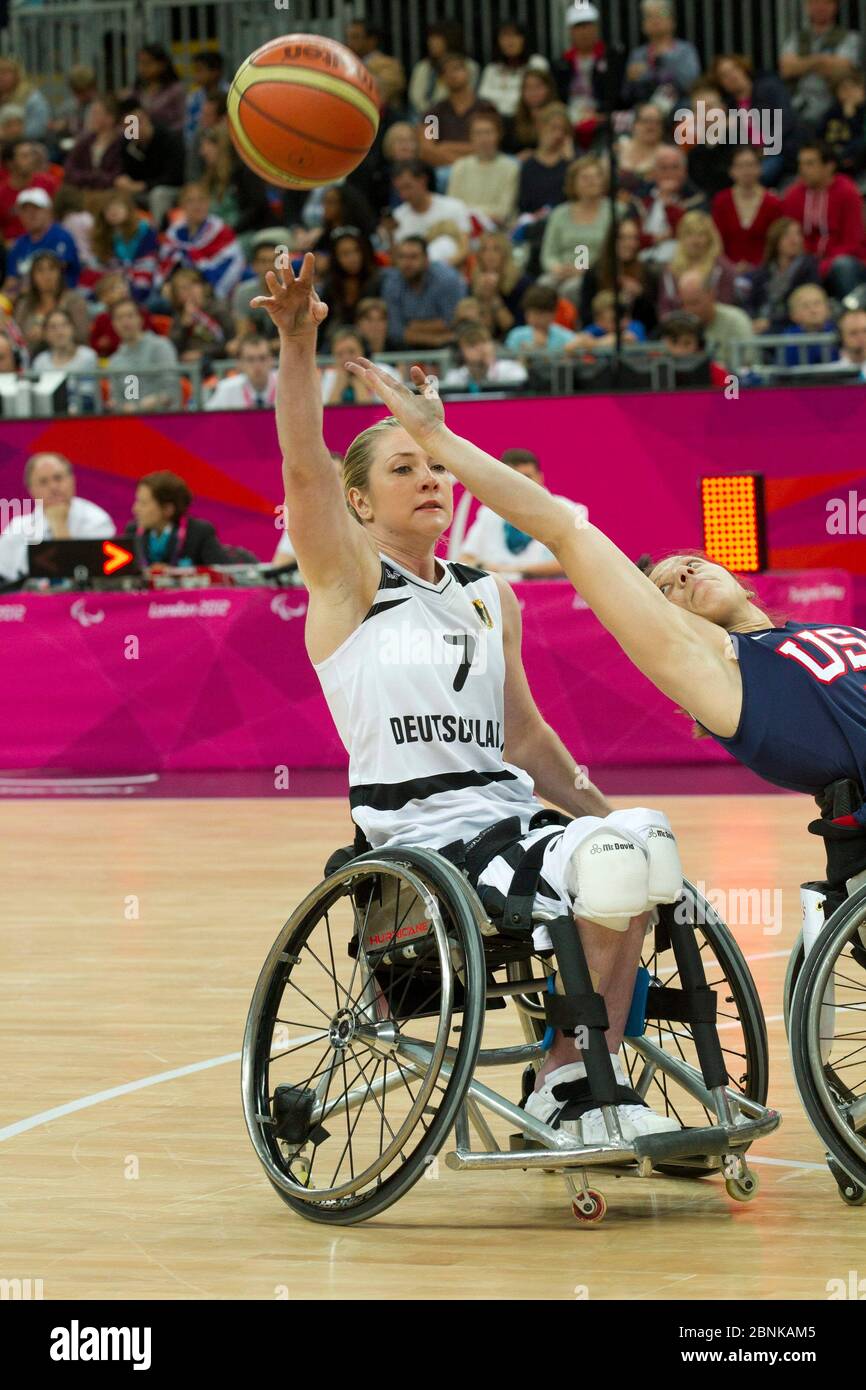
131,938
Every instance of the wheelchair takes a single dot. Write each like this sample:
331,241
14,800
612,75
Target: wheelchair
825,996
363,1043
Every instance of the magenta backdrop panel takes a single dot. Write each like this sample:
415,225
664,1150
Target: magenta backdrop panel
634,460
214,679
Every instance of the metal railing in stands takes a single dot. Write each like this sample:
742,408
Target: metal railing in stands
770,353
78,386
50,37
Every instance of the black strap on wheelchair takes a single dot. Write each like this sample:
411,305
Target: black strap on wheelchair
845,844
682,1006
570,1011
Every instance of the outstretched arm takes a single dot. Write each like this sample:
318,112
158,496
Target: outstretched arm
680,652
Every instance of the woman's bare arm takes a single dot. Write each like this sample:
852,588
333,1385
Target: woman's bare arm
684,655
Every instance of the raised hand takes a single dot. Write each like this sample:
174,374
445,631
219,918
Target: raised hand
420,413
293,304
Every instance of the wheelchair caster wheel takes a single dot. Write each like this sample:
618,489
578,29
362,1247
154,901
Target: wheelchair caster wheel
589,1208
743,1189
853,1194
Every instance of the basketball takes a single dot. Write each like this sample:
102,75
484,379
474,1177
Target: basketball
303,111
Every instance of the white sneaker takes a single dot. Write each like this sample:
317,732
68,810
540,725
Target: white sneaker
561,1099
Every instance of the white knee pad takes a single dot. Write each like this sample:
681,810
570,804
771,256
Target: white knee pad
606,872
652,829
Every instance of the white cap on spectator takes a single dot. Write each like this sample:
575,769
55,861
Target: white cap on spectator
582,14
37,196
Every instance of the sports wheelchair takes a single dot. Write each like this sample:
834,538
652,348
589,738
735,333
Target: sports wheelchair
363,1041
825,995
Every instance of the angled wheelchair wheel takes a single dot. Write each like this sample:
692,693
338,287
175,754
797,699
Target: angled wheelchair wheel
363,1033
795,965
740,1022
828,1039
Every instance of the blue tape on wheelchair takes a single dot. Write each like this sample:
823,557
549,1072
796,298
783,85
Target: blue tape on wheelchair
635,1024
549,1033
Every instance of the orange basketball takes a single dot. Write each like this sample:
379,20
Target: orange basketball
303,111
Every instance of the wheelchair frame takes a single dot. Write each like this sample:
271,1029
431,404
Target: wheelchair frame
738,1120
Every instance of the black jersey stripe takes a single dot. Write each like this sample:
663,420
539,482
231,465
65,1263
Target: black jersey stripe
465,574
384,606
391,796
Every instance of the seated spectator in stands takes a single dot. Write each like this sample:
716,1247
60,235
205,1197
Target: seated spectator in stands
11,123
786,265
237,195
96,158
163,533
498,283
339,387
814,56
540,333
426,85
284,555
708,162
202,240
542,173
400,144
159,89
443,222
41,233
17,88
745,212
671,197
446,123
265,248
21,168
829,208
371,322
486,180
809,312
501,80
522,133
44,291
578,225
665,68
638,282
49,479
214,112
140,356
107,292
73,111
208,80
324,211
497,546
364,39
480,367
843,129
748,97
636,153
699,247
353,276
601,330
254,388
200,328
682,335
123,239
722,324
64,354
389,76
9,355
852,334
153,161
581,72
421,296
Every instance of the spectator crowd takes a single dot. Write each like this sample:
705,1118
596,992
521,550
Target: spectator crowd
479,226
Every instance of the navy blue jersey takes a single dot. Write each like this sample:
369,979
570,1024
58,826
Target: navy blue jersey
803,723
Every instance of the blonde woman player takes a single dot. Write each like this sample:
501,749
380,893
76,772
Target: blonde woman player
420,664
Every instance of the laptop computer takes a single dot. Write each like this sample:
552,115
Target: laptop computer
82,560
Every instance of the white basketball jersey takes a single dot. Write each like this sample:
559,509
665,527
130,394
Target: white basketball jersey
417,695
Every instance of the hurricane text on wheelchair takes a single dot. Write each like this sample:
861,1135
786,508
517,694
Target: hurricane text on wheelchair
77,1343
739,907
715,126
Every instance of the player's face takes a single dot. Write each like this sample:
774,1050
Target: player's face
410,495
691,582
